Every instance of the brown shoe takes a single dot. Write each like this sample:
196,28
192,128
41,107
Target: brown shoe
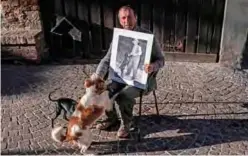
122,132
105,125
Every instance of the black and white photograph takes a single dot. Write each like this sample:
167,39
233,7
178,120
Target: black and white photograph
131,50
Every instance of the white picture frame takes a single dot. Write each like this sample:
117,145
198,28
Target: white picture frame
130,51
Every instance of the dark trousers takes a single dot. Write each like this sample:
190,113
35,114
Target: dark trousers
125,101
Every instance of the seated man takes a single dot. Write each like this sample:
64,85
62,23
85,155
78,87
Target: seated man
127,95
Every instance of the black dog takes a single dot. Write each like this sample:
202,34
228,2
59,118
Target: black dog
65,104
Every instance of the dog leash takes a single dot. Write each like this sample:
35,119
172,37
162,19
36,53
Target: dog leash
85,72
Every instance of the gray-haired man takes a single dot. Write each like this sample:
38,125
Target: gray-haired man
127,95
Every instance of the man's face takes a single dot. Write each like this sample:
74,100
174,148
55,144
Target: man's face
127,19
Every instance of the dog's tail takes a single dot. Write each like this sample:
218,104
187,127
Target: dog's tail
57,134
49,96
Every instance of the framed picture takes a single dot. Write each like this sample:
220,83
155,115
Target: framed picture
131,50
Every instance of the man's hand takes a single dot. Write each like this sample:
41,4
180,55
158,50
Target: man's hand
149,68
94,76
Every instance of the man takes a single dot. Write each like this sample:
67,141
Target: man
133,63
126,98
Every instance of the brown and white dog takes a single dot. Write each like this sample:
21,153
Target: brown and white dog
89,109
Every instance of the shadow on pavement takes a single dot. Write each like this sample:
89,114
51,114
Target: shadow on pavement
64,151
190,133
16,80
245,105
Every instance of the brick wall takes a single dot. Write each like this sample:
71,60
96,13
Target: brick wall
234,48
21,26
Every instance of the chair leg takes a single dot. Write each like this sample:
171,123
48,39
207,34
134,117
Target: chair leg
140,106
156,103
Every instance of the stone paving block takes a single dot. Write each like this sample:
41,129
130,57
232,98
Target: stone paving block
34,145
12,144
3,145
27,136
12,151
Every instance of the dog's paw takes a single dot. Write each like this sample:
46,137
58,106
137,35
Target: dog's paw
83,149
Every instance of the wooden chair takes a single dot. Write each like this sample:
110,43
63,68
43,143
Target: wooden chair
140,107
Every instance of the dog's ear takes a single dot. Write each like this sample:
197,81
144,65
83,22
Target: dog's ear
88,83
100,85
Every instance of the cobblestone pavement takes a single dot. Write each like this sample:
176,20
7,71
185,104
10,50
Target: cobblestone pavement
203,111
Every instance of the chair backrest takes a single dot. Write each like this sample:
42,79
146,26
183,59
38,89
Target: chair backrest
148,90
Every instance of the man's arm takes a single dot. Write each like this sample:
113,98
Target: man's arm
157,56
103,66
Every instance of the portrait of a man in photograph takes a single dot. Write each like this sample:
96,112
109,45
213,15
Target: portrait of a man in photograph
130,52
130,57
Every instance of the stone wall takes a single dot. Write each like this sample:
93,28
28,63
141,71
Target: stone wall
234,47
21,27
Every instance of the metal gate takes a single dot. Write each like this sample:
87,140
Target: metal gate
187,30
